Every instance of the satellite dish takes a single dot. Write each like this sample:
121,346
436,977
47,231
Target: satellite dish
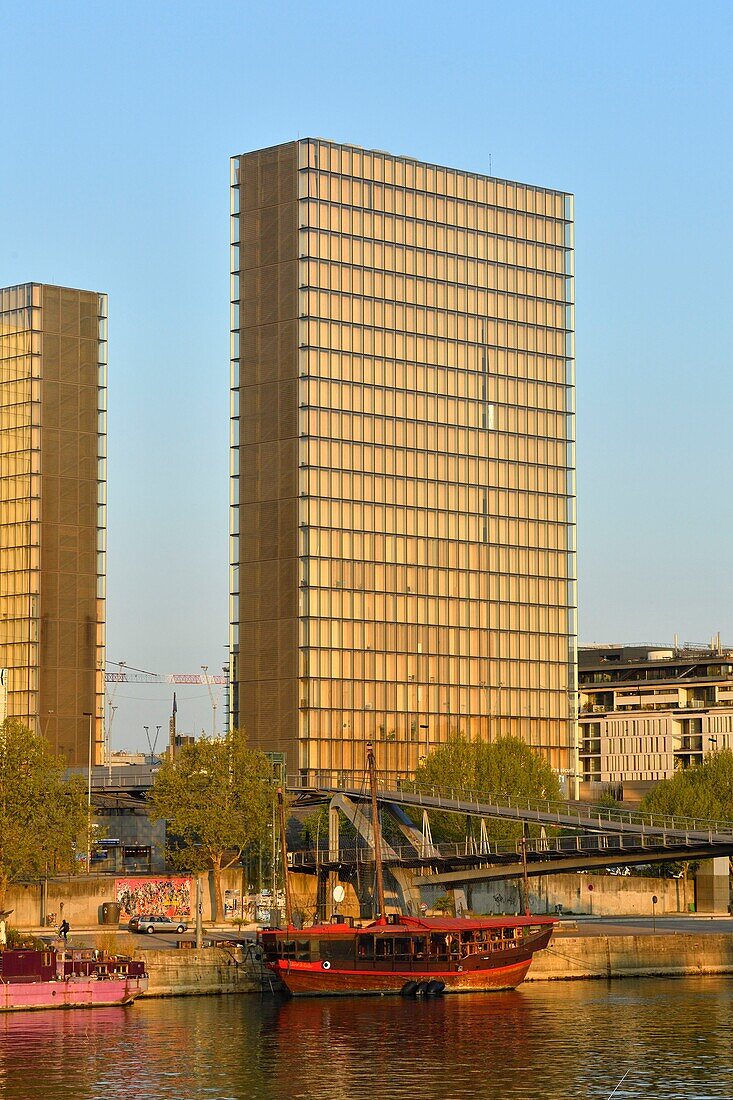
338,893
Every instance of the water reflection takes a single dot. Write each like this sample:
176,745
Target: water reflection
549,1041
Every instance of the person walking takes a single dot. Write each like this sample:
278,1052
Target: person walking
64,929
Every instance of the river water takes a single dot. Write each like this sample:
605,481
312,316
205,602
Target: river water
653,1037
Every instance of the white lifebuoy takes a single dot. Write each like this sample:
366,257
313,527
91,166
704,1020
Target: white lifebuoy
326,965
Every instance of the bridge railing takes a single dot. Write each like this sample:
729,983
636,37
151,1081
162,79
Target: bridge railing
593,844
455,799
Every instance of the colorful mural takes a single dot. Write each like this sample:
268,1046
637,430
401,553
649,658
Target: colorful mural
169,895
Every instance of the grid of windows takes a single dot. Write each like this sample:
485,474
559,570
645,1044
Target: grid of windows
52,515
435,459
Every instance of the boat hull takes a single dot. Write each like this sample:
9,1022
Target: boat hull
74,993
311,980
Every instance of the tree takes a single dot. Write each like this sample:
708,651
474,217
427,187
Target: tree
702,790
216,797
43,817
505,768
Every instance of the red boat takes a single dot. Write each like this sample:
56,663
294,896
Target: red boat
399,954
407,955
68,979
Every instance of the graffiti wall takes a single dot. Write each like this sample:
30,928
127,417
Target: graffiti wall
169,895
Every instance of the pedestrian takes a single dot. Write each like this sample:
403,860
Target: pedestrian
64,929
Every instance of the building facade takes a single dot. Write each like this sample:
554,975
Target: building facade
646,711
53,366
403,528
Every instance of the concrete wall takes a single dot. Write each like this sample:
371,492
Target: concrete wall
182,973
79,899
570,957
612,895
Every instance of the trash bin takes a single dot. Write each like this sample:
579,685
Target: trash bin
111,912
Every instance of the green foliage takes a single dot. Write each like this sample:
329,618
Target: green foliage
43,817
445,905
216,797
505,768
608,800
703,791
18,940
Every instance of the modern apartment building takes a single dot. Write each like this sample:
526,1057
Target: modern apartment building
402,533
648,710
53,365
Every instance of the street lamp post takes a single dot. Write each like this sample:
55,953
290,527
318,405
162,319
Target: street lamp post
88,714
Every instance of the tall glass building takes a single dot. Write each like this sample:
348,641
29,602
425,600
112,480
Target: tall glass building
403,526
53,368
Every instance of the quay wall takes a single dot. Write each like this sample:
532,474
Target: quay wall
214,970
673,954
180,973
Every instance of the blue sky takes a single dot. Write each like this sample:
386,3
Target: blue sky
119,122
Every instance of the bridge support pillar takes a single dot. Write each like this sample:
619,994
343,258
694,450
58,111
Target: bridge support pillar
711,886
407,889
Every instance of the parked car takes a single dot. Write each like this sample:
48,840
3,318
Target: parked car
155,922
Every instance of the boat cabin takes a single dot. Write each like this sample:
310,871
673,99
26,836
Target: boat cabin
404,943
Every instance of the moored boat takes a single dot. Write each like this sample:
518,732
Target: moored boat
401,954
68,979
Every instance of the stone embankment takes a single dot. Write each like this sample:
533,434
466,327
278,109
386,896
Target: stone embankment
672,955
221,970
212,970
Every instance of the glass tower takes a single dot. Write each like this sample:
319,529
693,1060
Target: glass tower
53,367
403,494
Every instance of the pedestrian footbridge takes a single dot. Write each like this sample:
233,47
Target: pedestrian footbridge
558,836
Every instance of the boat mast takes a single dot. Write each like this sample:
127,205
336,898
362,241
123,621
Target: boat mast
284,857
525,876
376,831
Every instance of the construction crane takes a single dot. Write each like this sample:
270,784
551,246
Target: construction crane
128,674
205,670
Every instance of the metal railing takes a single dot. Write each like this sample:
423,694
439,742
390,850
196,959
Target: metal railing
607,845
510,807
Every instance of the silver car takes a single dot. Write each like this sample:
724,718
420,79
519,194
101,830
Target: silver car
155,922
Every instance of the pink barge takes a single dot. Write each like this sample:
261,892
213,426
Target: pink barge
68,979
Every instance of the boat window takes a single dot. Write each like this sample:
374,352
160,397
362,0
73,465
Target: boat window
341,950
419,946
401,948
365,947
508,933
286,949
445,945
383,947
303,950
